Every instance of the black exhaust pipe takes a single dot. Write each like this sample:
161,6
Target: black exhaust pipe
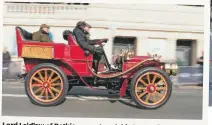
22,75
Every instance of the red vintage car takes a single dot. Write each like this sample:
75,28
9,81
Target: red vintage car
52,69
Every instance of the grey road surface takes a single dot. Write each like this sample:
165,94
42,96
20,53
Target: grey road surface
185,103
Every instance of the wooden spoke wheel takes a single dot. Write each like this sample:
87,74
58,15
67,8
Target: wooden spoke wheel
151,88
46,85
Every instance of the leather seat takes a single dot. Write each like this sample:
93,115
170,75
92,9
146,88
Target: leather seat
25,34
65,37
66,33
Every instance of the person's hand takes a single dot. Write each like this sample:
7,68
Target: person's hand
105,40
102,41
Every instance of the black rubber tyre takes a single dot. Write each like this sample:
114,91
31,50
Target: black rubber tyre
133,85
64,90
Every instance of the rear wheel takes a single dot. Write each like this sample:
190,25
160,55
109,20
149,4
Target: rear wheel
151,88
46,85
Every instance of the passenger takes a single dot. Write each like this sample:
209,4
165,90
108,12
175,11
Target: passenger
42,35
200,60
82,35
6,63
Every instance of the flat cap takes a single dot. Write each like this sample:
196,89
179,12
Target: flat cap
44,26
83,23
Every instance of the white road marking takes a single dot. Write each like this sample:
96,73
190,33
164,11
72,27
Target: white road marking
176,92
82,98
12,83
14,95
16,87
179,91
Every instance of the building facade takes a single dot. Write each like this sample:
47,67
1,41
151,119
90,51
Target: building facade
174,31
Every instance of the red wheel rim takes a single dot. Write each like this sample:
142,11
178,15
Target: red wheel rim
46,85
151,88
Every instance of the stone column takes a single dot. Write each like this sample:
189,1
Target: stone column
141,46
171,46
112,30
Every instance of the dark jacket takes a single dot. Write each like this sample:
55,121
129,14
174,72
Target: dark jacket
83,39
41,36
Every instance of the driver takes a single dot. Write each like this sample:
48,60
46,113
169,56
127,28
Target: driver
81,33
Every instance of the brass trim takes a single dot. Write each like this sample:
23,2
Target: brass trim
41,52
171,69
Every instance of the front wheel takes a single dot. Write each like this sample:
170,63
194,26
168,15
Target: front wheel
151,88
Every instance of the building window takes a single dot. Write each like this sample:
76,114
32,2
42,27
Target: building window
44,7
49,3
192,5
78,3
186,52
120,43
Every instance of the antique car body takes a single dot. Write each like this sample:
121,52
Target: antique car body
70,66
